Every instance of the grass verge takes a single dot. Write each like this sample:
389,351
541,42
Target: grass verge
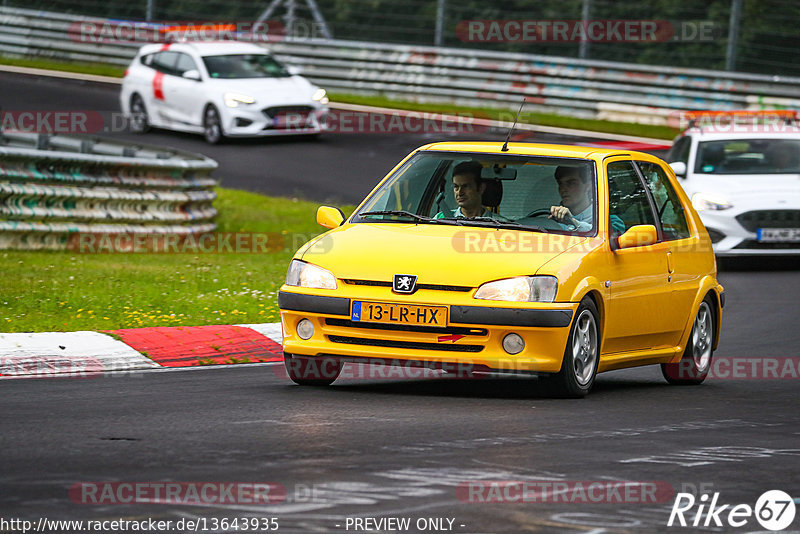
542,119
66,291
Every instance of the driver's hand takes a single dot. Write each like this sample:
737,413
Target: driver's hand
560,213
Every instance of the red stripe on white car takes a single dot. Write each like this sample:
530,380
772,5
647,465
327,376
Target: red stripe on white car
158,86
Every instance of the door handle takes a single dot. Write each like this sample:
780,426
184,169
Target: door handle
670,263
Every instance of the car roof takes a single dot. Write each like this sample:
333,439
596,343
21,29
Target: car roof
207,48
535,149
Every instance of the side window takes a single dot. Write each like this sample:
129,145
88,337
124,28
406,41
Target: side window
628,203
680,150
184,63
164,62
670,209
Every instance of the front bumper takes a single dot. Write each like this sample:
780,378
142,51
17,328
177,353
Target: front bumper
732,238
473,335
251,121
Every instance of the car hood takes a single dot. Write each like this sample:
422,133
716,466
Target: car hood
769,190
269,91
437,254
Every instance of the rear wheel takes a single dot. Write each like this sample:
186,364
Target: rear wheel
306,371
579,367
140,122
693,366
212,126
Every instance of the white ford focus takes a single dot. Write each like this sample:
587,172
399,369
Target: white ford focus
219,89
743,176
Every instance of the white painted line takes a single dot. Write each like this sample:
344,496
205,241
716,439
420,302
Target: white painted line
270,330
61,74
374,109
59,354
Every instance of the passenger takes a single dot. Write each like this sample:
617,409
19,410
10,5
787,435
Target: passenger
782,157
576,211
468,190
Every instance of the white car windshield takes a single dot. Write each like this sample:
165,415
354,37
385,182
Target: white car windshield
244,66
488,190
748,156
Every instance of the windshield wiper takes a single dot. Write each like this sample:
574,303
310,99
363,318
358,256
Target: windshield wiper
404,213
495,223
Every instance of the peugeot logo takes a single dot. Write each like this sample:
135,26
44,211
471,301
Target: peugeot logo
404,283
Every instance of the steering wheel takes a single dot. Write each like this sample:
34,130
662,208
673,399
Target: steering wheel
538,213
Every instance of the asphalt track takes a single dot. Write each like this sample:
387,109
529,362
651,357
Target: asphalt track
401,448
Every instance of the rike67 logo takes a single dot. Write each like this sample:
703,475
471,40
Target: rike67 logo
774,510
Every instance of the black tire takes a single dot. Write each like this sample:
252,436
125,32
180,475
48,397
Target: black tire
306,371
140,122
693,367
581,355
212,126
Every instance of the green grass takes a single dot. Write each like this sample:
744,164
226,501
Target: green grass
66,291
99,69
542,119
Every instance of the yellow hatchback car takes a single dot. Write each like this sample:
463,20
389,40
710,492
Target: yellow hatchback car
558,261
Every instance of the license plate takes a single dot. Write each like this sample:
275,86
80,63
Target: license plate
382,312
774,235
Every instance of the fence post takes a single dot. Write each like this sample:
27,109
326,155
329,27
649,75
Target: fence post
733,34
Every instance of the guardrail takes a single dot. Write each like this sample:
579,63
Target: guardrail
580,88
54,188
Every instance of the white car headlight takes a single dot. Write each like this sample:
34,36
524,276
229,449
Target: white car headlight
705,201
232,100
520,289
302,274
321,96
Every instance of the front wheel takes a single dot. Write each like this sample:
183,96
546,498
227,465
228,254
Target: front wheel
693,367
581,356
306,371
212,126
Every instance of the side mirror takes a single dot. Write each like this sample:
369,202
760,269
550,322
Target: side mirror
294,71
192,74
640,235
329,217
679,168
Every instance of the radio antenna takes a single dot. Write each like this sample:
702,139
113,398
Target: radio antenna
505,145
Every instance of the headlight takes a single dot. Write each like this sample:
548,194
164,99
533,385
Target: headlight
705,201
520,289
319,96
302,274
232,100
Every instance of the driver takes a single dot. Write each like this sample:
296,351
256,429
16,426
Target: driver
576,209
468,190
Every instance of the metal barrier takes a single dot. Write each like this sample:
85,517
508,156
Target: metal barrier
53,188
566,86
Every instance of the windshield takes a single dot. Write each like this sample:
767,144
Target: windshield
525,192
748,156
244,66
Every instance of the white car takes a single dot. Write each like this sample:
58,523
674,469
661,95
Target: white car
745,183
219,89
